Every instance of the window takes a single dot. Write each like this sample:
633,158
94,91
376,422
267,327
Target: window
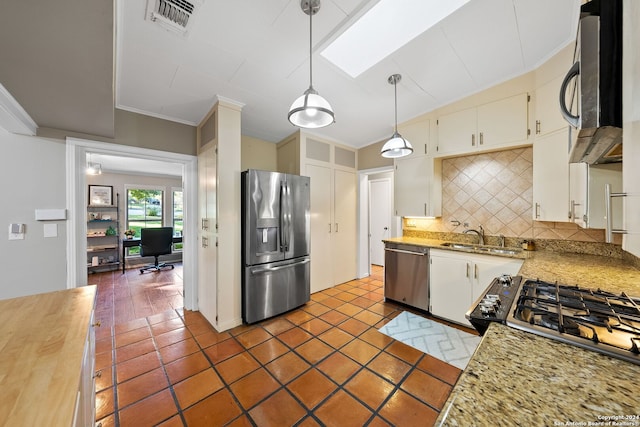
177,216
144,210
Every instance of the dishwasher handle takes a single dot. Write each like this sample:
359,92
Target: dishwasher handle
400,251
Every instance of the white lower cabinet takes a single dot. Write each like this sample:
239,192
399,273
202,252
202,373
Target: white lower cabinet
85,410
457,279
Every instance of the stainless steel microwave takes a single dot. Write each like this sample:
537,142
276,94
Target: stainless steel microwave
595,81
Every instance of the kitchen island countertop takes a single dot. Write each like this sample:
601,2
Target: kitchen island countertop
43,339
518,378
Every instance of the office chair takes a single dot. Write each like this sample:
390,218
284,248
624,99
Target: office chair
155,242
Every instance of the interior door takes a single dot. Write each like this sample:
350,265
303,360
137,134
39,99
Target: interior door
379,218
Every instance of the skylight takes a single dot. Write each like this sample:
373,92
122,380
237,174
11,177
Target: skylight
383,29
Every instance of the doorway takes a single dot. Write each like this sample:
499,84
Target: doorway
365,208
77,150
380,208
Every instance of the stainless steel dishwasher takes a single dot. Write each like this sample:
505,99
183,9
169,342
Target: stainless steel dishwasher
406,274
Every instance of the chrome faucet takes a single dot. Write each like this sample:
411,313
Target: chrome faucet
479,233
501,240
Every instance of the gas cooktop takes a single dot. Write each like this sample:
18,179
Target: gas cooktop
593,319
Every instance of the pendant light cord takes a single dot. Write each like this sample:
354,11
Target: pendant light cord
310,44
395,96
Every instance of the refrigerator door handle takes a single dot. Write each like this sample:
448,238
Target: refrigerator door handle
286,202
283,207
281,267
289,214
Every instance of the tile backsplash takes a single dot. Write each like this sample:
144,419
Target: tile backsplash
495,190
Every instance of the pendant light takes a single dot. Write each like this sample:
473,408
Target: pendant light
311,110
397,146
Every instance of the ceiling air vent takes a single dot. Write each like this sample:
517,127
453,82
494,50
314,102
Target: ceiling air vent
173,15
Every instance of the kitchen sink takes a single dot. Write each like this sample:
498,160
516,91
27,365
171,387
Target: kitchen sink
459,245
481,248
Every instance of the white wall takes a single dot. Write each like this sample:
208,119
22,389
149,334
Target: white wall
32,171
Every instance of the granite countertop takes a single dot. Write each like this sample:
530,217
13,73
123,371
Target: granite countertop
518,378
588,271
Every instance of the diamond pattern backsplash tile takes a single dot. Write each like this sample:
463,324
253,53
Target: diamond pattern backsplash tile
495,190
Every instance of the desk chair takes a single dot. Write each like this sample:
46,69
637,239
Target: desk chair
155,242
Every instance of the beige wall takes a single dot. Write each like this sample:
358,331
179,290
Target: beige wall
142,131
369,157
258,154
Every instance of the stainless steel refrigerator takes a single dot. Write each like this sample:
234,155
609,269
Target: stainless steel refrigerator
275,243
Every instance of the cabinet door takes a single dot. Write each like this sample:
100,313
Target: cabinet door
547,108
411,186
503,123
551,177
457,132
207,251
578,179
321,227
417,134
487,268
450,286
343,244
610,173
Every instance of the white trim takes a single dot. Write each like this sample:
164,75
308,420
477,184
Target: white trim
155,115
364,264
76,206
13,117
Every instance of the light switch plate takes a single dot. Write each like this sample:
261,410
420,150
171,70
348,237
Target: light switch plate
16,231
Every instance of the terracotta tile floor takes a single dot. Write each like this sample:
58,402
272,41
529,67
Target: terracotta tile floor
322,364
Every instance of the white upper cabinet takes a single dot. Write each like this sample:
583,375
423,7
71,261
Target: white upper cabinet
457,132
417,187
551,177
417,133
547,108
496,125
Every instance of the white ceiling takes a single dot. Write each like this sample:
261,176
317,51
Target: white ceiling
256,52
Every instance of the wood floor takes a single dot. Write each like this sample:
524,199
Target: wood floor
324,364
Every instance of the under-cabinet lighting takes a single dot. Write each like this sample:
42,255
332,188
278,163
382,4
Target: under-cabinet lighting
383,29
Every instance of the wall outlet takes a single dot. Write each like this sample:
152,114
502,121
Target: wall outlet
411,223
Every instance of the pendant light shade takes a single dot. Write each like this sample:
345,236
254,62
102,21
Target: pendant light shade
311,110
396,146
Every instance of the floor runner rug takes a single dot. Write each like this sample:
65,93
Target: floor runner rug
448,344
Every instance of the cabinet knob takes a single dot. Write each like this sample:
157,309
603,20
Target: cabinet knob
97,324
98,374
